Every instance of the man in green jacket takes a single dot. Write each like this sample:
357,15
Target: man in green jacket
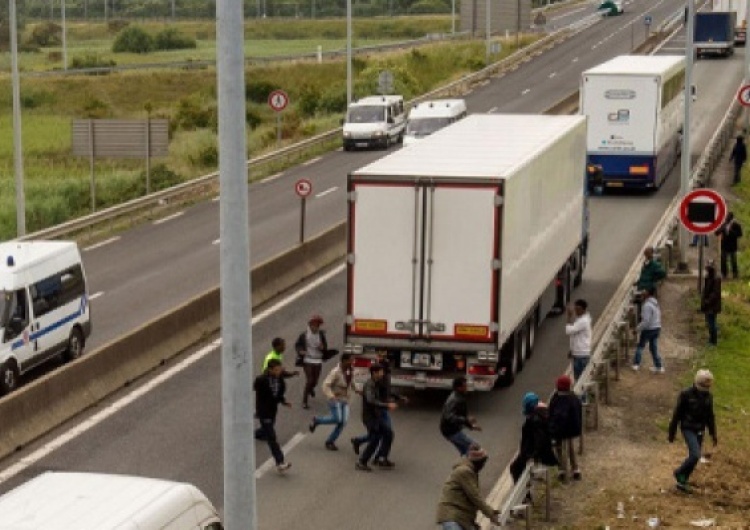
651,272
278,345
461,500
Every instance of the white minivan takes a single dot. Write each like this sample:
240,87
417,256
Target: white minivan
96,501
44,306
374,121
429,116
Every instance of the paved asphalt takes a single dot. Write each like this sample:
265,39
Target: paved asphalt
174,431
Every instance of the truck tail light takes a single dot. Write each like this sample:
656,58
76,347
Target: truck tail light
361,362
639,170
478,369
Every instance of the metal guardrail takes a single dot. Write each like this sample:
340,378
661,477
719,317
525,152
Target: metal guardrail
615,326
207,184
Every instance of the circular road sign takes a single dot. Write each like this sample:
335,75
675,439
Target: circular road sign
743,96
278,100
303,187
702,211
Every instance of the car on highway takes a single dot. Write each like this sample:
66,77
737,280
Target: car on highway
430,116
611,8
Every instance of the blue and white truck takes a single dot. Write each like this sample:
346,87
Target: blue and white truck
634,105
714,33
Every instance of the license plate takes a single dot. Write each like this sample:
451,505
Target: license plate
615,184
423,360
361,144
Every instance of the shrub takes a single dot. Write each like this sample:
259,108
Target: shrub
91,60
333,100
193,113
46,34
252,118
161,178
307,100
117,25
171,39
31,99
133,40
429,6
206,156
258,91
95,108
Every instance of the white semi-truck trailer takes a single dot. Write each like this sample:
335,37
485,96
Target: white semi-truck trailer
460,245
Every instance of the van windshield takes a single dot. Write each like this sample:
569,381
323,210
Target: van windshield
366,114
425,126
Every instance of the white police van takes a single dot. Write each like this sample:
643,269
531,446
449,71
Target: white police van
374,121
44,309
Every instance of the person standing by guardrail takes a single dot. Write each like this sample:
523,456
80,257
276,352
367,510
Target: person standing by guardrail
536,442
455,418
693,414
711,302
311,346
649,329
730,232
461,500
565,425
738,156
652,272
578,330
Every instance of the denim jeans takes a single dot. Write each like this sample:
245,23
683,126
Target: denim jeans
379,438
267,432
450,525
579,365
339,416
461,441
731,257
652,337
694,441
713,329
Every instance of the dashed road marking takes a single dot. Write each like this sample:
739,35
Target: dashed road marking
168,218
326,192
102,243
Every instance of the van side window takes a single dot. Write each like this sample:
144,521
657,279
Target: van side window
57,290
18,314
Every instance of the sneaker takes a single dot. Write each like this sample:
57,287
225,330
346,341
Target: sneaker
656,370
305,406
385,463
355,446
683,487
281,468
331,446
636,367
361,466
312,393
576,475
312,425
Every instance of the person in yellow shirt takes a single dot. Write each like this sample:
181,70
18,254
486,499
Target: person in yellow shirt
278,345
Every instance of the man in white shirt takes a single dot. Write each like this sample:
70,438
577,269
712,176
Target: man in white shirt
578,329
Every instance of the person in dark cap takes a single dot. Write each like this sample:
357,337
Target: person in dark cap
565,425
693,414
311,346
738,156
536,443
379,434
460,499
711,302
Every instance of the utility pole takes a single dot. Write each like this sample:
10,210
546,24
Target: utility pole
348,52
237,399
64,36
685,159
487,30
746,77
17,145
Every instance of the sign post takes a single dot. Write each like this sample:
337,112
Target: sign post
743,96
278,100
647,23
702,212
303,188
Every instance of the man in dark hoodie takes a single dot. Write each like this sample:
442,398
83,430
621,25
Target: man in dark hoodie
269,393
460,500
536,443
565,425
730,232
711,302
455,418
379,433
738,156
694,413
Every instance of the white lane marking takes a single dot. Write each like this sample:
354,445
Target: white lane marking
286,449
568,13
525,91
311,161
553,74
126,400
575,59
271,178
216,241
326,192
493,109
102,243
168,218
665,41
96,295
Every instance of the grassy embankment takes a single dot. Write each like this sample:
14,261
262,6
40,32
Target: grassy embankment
57,184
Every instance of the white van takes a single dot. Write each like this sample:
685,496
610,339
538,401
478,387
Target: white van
429,116
94,501
374,121
44,309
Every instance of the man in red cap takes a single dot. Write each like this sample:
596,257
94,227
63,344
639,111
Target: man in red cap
565,425
311,346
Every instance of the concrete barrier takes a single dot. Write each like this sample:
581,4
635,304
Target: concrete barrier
46,403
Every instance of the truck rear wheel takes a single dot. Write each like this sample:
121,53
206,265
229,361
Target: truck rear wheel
522,346
507,365
530,334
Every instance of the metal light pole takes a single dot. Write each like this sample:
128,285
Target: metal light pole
348,52
17,146
453,16
487,31
685,158
236,356
747,68
64,37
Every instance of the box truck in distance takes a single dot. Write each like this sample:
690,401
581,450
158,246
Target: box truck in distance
460,245
634,105
714,33
739,7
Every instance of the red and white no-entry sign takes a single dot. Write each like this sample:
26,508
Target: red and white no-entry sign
702,211
743,95
278,100
303,187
